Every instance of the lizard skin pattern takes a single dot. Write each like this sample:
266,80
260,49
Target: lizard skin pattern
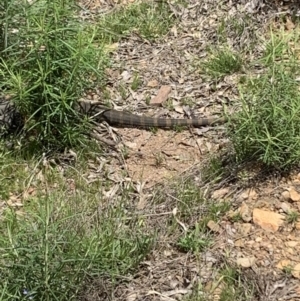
126,119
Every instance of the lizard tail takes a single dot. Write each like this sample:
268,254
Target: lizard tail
132,120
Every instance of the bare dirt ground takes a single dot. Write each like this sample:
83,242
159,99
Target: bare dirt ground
262,242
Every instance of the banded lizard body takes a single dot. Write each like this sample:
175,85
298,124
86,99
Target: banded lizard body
113,117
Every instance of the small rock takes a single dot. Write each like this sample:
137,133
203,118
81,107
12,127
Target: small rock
277,205
291,251
131,297
246,262
249,194
267,220
131,145
126,75
213,226
261,204
297,225
291,243
208,286
285,207
168,253
217,194
244,229
283,264
296,271
152,83
294,195
174,284
285,196
239,243
245,212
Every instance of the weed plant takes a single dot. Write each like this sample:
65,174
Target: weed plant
48,59
267,129
222,62
54,249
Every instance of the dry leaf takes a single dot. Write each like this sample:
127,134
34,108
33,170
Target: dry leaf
161,96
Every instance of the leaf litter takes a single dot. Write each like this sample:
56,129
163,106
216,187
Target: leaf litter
247,236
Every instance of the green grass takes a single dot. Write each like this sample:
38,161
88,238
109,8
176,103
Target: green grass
292,217
136,82
45,66
228,285
267,127
287,270
192,197
53,58
68,234
277,48
150,20
222,62
233,288
63,239
194,210
213,170
195,240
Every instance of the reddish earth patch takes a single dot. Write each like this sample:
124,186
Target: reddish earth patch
157,157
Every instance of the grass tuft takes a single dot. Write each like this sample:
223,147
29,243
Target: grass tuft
228,285
267,128
51,251
292,217
223,62
150,20
196,211
46,65
195,240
